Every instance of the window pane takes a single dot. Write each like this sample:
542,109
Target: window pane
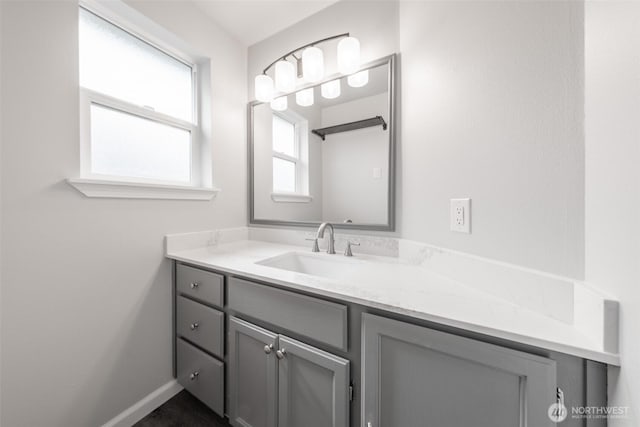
284,176
284,137
118,64
126,145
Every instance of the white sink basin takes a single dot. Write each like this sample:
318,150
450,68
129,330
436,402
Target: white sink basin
316,264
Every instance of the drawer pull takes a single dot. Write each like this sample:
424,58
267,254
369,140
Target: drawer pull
194,326
194,375
268,348
194,285
280,354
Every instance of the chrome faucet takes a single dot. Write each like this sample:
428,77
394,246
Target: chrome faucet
331,244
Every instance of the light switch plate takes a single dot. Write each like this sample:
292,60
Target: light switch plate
460,214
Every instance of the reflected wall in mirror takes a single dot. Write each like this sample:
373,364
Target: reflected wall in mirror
326,153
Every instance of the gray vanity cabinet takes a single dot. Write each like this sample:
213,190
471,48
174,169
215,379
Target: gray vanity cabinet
418,377
405,372
278,381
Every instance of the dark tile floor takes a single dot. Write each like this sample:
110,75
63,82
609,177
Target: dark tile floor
183,410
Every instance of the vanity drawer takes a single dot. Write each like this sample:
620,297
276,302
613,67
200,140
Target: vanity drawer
317,319
202,325
199,284
201,375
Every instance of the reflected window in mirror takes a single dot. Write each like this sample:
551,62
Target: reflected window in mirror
290,154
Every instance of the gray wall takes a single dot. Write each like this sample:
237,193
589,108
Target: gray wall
86,309
491,108
613,181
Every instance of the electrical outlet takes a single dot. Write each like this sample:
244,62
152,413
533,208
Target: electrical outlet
460,212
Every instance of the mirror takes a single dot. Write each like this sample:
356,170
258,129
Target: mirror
331,161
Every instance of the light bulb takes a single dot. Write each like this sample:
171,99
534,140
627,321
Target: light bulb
279,104
331,89
304,98
264,88
348,55
285,76
312,64
358,79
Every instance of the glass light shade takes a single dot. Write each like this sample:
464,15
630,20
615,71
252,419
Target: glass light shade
312,64
348,55
331,89
285,76
304,98
279,104
358,79
264,88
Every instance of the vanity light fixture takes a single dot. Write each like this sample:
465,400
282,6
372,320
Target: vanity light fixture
331,90
358,79
309,65
279,104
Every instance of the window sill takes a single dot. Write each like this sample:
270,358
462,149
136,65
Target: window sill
133,190
291,198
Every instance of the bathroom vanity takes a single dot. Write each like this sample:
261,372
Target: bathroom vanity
261,340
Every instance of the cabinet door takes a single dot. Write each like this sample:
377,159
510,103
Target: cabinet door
313,386
253,382
417,377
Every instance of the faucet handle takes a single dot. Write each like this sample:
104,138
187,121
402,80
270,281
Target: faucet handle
347,251
315,247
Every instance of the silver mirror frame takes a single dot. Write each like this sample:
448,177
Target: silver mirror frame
390,62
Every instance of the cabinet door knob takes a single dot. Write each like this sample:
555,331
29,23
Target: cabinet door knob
280,354
194,285
194,326
194,375
268,348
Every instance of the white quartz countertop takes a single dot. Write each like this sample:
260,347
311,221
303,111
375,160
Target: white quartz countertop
397,286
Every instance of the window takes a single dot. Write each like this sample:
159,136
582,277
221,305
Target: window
139,121
286,150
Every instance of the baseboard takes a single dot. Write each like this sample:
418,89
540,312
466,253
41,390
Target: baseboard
145,406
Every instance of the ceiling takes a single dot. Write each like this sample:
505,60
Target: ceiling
251,21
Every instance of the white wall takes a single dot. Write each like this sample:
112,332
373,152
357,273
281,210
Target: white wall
612,54
350,191
492,98
86,307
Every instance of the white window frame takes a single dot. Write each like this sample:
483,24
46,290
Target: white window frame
301,129
127,19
